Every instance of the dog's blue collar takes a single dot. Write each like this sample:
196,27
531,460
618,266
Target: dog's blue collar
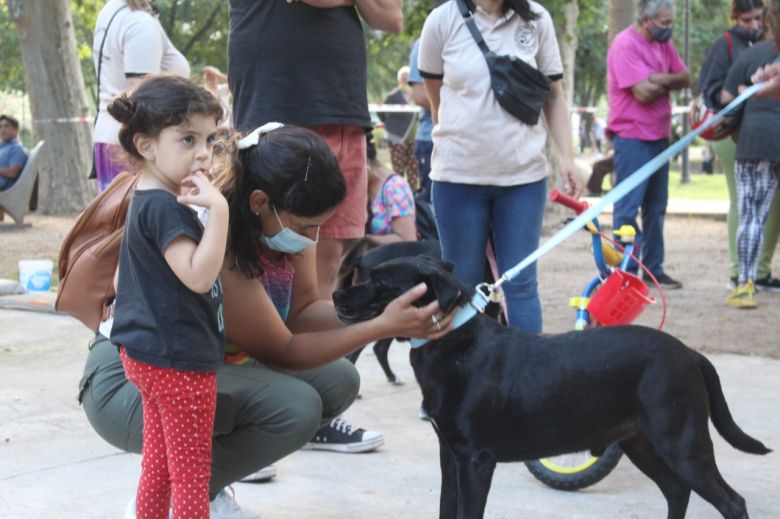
465,314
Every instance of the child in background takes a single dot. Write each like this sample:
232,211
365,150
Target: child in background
168,320
391,203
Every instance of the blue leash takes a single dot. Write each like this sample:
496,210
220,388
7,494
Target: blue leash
480,299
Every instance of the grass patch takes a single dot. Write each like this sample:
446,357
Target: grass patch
700,187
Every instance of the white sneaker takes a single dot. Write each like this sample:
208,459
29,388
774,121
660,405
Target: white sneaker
130,510
225,506
264,474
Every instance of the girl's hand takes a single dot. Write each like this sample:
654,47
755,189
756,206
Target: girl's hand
403,319
197,189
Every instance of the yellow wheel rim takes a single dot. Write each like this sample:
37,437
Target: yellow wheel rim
553,466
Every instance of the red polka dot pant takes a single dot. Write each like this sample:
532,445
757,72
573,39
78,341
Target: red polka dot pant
178,408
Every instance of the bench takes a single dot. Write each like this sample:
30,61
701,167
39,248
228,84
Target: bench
15,199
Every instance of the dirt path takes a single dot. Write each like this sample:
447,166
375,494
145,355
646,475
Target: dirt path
696,255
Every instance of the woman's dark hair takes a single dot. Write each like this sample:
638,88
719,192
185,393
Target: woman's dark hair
298,172
157,103
521,7
739,7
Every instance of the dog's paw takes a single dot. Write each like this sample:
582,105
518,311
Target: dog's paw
396,381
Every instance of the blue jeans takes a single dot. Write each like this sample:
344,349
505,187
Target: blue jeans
422,152
465,214
651,196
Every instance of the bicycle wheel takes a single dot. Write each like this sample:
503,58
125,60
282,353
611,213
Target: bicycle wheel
575,470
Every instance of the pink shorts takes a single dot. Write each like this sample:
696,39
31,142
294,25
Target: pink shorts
348,143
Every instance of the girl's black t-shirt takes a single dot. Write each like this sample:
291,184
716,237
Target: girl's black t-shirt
158,319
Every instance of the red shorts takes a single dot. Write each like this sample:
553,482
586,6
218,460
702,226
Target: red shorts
348,143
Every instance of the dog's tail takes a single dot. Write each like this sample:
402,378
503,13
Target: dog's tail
720,414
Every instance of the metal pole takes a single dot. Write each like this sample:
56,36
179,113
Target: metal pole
686,174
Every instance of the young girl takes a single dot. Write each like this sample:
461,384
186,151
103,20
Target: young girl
391,201
168,319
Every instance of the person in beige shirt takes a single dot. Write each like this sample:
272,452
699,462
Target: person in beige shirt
489,169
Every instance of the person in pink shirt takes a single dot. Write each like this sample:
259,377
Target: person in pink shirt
643,67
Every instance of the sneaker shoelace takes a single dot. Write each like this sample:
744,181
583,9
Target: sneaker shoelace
343,426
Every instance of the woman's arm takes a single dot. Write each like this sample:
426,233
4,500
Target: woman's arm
253,324
433,89
308,311
556,111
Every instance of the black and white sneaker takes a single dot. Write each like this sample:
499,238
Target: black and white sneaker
261,476
341,436
665,280
768,283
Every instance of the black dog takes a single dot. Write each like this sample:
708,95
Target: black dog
362,266
496,394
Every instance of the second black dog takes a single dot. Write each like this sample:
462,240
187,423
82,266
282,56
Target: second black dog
363,265
496,394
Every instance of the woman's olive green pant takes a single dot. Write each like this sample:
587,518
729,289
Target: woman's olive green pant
262,414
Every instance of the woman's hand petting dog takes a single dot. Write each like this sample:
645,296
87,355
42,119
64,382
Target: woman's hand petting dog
403,319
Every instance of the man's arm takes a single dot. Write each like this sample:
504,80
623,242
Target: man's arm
10,172
384,15
419,96
646,91
672,80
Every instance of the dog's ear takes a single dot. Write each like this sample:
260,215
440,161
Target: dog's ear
447,293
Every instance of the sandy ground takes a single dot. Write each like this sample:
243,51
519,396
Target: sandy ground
696,254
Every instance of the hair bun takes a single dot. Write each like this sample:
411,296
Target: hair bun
122,108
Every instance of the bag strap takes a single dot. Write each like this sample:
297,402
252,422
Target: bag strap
468,19
729,45
100,58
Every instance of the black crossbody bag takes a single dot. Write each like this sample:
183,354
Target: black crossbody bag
519,88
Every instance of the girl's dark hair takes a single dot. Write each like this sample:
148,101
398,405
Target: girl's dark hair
521,7
298,172
744,6
159,102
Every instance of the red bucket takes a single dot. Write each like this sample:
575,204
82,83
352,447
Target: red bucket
620,300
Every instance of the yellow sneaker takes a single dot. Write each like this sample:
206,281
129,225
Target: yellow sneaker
744,296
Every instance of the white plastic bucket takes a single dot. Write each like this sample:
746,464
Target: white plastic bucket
35,275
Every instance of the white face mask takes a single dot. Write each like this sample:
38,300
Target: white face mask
287,240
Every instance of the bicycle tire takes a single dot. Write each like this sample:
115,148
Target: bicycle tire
553,473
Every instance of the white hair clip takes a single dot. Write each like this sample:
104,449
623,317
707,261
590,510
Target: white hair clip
253,138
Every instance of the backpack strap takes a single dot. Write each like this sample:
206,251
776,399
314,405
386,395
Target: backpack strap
730,45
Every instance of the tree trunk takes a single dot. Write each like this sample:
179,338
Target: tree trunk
567,41
57,101
622,13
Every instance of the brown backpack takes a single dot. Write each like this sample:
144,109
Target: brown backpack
89,254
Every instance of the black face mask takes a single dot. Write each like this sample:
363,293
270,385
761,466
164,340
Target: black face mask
752,35
660,34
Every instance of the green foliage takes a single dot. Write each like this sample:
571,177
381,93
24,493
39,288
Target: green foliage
11,72
591,62
199,29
